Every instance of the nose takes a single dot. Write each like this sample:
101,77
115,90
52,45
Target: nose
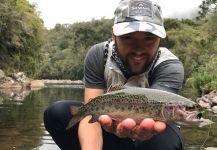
139,47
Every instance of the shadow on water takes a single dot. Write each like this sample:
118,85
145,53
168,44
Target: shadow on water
21,121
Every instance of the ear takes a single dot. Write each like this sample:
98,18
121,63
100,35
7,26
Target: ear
113,36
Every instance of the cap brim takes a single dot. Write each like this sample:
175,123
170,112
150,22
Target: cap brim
129,27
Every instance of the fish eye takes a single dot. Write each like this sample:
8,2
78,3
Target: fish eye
199,115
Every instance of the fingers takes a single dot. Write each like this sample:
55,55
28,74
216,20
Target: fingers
124,129
107,123
150,124
105,120
159,126
141,134
128,127
147,124
144,131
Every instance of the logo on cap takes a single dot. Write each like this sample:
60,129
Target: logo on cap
140,8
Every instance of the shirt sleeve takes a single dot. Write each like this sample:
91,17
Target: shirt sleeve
168,76
94,67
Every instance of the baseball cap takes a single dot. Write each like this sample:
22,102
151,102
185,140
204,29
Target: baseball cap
138,15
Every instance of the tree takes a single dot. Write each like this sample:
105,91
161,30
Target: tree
207,7
21,37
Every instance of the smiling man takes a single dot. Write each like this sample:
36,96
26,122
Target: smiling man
133,58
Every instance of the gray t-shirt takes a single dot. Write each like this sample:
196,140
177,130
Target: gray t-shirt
168,75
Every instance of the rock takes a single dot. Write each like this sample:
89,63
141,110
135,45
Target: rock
14,81
211,148
63,82
2,74
10,85
19,77
209,101
214,100
204,104
213,93
214,109
37,84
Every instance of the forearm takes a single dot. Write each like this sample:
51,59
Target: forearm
90,135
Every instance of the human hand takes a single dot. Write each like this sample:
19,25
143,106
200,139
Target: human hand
128,127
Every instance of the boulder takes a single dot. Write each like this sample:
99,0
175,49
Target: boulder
2,74
14,81
37,84
214,109
209,101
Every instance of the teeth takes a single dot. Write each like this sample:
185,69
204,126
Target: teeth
138,57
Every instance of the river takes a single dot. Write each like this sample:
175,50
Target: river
21,121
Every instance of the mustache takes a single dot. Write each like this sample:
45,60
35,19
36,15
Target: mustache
142,54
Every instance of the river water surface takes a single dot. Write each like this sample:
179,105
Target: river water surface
21,121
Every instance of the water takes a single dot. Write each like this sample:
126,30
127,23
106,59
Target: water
21,121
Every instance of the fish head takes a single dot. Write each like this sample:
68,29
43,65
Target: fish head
188,117
179,115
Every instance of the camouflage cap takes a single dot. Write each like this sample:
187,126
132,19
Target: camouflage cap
138,15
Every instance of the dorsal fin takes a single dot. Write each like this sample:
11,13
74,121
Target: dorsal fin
74,109
115,87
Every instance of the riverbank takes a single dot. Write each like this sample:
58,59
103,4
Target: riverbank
43,83
19,81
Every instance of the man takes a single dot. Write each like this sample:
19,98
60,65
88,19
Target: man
133,58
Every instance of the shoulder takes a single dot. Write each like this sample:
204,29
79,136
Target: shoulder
95,55
168,75
96,50
94,67
168,63
165,55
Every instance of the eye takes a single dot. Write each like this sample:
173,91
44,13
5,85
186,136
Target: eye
126,37
150,38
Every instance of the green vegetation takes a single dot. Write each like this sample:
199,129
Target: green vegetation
67,45
21,36
59,53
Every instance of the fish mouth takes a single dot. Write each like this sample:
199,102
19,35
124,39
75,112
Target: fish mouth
190,117
193,118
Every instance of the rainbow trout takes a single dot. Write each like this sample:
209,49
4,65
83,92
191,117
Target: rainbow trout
139,103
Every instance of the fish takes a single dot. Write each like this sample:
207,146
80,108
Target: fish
140,103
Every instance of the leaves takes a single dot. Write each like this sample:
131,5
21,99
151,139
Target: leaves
207,7
68,44
21,37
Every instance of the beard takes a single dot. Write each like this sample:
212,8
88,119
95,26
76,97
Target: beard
135,63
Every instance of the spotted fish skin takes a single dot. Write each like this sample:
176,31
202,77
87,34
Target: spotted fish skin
135,103
156,95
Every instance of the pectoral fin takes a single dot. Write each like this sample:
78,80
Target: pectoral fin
93,119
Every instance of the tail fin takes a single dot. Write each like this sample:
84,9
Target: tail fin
75,116
73,121
74,110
